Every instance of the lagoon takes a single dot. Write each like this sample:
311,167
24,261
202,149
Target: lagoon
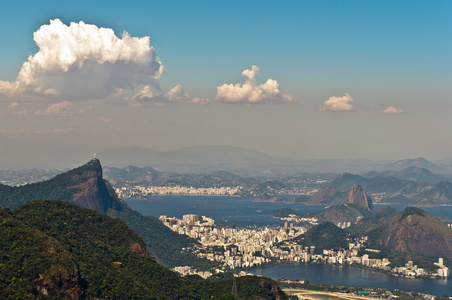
343,275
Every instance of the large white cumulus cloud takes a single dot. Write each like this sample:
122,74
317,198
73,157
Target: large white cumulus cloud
83,61
252,93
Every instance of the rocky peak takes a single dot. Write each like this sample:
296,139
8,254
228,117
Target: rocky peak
94,192
359,197
413,230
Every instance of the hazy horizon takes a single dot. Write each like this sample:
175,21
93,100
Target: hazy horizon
306,80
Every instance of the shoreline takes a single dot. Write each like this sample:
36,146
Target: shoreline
288,202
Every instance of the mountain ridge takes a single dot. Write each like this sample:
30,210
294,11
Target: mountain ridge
413,230
86,187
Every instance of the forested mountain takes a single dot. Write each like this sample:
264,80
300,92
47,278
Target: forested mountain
411,234
378,220
85,186
54,249
413,230
324,236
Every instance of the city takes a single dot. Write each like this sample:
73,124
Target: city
247,248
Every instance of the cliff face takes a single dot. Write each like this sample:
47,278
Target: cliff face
359,197
94,192
413,230
83,185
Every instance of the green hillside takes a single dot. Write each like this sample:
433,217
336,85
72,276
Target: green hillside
324,236
60,250
85,186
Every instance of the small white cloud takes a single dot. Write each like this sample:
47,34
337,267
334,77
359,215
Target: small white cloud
83,61
391,110
176,95
252,93
60,109
344,103
199,101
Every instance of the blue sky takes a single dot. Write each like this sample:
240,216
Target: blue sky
336,67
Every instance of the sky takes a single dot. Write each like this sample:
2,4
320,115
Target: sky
299,79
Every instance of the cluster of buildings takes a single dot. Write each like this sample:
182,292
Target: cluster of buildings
443,271
309,220
412,270
246,248
137,191
187,270
235,248
298,219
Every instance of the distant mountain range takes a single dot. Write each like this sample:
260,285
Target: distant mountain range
246,162
419,162
212,158
412,186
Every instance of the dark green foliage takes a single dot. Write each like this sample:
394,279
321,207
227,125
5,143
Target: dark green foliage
412,211
79,253
324,236
30,258
162,242
248,287
283,213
